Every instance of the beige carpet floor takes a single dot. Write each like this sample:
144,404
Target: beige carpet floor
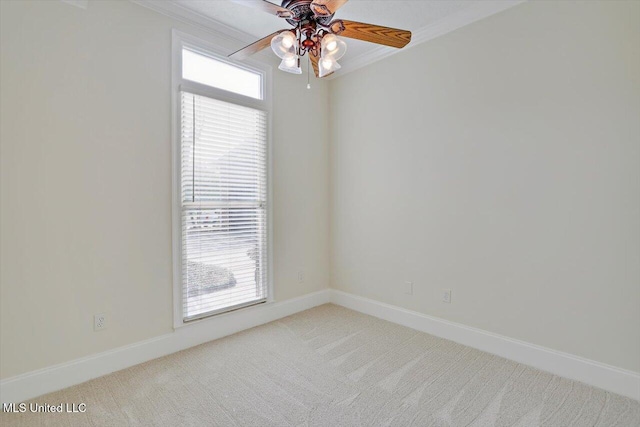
330,366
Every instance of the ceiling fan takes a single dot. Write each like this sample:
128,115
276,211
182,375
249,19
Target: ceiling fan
315,33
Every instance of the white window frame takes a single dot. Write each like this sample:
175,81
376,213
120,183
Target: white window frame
182,40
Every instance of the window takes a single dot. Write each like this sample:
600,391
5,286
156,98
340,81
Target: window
219,74
221,189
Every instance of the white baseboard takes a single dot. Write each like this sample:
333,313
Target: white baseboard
57,377
616,380
42,381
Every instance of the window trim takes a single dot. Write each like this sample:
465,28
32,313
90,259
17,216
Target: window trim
182,40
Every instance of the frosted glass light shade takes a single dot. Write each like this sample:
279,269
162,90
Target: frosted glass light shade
327,66
290,64
284,44
332,46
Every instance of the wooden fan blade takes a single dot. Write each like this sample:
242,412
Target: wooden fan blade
254,47
314,63
266,6
326,7
371,33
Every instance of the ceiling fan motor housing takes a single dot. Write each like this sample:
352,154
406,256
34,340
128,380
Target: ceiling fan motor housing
301,11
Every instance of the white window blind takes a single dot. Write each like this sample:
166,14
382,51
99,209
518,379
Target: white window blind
223,201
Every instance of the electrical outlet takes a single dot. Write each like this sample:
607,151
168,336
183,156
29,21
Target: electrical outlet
446,296
99,322
300,276
408,288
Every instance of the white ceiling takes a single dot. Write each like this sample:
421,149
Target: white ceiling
426,19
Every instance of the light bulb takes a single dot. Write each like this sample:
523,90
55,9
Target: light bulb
287,40
332,46
290,64
327,66
282,44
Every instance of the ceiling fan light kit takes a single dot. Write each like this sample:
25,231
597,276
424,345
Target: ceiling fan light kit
283,45
315,33
327,66
332,46
291,65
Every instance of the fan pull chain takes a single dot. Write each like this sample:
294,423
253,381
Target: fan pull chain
308,66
